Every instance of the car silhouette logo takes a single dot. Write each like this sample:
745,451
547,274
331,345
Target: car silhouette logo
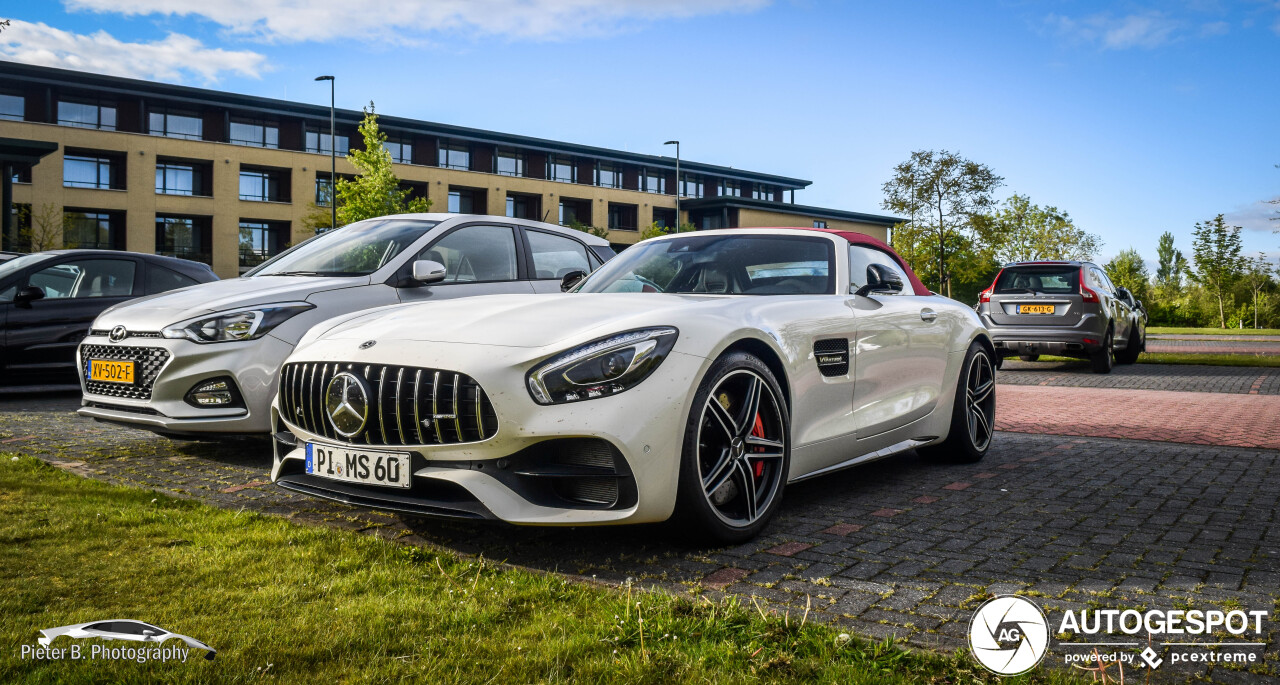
347,404
118,333
136,631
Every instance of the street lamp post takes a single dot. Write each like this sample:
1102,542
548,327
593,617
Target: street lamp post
333,160
677,144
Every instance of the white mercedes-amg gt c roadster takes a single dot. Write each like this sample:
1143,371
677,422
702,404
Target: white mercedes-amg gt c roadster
693,376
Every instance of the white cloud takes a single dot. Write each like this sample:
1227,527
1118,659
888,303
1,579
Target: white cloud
1259,216
1144,30
401,20
1215,28
174,58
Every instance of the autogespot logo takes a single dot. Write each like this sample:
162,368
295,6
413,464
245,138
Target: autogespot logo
1009,635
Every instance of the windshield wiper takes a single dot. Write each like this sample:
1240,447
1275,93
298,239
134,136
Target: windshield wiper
290,273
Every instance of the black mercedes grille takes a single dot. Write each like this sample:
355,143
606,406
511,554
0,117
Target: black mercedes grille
832,355
147,364
406,405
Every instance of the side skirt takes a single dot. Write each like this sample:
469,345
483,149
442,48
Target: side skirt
889,451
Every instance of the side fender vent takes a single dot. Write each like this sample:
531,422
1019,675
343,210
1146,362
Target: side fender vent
832,355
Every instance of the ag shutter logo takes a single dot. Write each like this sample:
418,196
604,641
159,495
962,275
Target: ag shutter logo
1009,635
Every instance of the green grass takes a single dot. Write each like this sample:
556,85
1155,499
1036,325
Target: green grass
289,603
1155,330
1272,361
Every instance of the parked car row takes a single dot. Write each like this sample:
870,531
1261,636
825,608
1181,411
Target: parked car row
431,364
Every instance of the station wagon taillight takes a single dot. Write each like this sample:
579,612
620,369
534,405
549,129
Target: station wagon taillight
1085,293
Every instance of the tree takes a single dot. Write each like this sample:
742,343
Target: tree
1257,276
1128,270
655,229
596,231
1216,251
1022,231
46,229
375,191
947,189
1170,264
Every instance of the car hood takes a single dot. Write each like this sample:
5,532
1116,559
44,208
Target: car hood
157,311
524,320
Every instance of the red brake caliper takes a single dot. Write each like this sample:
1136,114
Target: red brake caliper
758,431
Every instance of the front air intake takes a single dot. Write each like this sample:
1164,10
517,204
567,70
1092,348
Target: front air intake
832,356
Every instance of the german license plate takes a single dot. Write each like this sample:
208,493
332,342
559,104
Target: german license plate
389,469
1035,309
111,371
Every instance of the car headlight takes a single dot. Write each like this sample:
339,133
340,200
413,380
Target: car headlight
602,367
240,324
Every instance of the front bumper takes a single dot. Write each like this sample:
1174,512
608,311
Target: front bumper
253,366
522,473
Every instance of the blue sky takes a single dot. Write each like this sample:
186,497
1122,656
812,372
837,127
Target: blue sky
1136,118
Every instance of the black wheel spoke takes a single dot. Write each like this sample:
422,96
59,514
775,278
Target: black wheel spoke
719,473
979,394
754,441
721,418
743,471
751,407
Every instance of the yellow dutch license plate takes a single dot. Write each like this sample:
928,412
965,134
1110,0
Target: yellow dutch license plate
110,371
1035,309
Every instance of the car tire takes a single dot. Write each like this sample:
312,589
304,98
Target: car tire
1132,350
999,362
719,461
973,412
1104,359
1029,357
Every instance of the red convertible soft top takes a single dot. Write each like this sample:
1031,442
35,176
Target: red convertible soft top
863,239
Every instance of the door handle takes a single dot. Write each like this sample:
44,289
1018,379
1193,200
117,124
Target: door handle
928,315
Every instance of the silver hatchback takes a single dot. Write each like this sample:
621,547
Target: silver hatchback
1064,308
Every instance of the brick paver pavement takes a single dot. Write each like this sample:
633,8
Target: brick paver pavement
1245,380
904,547
1189,417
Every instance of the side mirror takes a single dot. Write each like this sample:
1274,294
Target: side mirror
571,279
426,271
29,294
880,279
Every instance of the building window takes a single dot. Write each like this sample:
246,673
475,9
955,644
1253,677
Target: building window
664,217
524,206
463,201
260,241
180,178
653,181
691,185
318,142
731,188
561,168
21,172
575,211
622,217
263,185
12,106
761,191
255,133
608,175
324,191
176,125
91,230
401,150
454,155
819,224
509,162
87,114
187,237
18,239
91,171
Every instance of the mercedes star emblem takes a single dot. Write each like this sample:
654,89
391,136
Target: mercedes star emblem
367,344
347,404
118,333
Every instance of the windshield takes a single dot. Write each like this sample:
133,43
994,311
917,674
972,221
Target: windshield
1053,280
355,250
720,264
13,266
